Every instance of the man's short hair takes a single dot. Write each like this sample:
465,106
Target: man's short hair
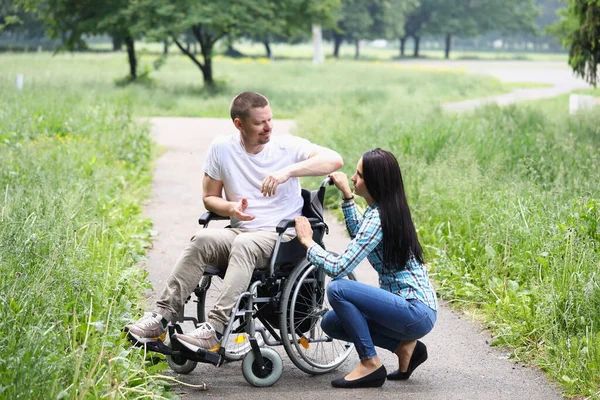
244,102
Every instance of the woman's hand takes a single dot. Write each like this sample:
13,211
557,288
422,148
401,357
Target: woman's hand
340,180
304,231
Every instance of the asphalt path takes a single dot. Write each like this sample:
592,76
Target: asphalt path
558,75
461,363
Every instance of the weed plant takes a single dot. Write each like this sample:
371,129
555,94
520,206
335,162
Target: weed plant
72,178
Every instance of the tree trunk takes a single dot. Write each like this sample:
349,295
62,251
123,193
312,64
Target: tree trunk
417,41
356,49
130,44
165,47
268,49
402,45
448,44
337,42
207,72
207,42
117,43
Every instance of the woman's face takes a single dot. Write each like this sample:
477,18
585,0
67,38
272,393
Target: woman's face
359,183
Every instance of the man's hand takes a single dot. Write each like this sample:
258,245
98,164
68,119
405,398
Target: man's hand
271,181
239,211
304,231
340,180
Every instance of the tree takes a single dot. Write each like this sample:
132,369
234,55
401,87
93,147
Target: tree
415,22
70,20
370,19
389,17
469,18
206,20
8,14
293,19
579,28
354,24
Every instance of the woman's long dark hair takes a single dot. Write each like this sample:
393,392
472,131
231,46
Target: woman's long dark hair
383,179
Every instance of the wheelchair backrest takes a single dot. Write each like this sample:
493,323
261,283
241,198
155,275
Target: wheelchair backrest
293,251
313,203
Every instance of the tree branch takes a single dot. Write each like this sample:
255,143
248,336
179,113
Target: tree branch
189,54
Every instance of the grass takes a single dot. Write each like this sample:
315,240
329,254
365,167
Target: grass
72,178
505,199
293,86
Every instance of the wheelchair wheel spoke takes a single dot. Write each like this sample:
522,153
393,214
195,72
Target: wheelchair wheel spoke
305,305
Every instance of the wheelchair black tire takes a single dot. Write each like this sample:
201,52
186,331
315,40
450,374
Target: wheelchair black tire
292,324
179,364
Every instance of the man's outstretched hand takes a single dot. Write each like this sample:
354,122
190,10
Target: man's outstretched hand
239,211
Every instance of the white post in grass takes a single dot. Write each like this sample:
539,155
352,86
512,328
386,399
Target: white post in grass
317,44
581,102
19,82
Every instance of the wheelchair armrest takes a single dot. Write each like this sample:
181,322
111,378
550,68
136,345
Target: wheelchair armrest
211,216
290,223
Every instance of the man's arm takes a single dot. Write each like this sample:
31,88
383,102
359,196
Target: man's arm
322,161
212,195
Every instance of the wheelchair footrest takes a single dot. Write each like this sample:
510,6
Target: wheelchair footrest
201,355
159,347
180,351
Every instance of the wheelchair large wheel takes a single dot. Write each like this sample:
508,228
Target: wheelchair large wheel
238,344
303,305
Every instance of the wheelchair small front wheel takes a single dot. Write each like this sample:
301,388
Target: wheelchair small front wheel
179,364
266,376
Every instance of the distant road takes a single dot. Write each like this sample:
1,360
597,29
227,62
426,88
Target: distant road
558,74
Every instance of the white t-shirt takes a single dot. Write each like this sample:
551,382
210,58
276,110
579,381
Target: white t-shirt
242,175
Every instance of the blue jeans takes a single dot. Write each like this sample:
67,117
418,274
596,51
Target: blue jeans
369,316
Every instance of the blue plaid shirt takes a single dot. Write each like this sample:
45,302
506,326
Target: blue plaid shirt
367,241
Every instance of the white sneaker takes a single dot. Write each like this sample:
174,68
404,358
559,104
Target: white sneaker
204,337
148,328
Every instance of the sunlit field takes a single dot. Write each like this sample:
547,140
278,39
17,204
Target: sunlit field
506,201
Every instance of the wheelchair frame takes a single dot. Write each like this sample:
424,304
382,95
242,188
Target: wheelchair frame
263,366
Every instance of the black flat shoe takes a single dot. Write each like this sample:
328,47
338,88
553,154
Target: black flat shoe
374,379
418,357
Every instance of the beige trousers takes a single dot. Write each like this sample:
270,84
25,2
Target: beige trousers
236,251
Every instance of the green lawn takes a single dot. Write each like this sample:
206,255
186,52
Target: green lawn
293,86
506,200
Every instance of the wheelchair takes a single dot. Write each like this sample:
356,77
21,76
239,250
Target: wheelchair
283,305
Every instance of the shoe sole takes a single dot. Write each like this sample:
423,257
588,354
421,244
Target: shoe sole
142,340
195,348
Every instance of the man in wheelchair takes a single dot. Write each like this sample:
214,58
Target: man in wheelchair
259,177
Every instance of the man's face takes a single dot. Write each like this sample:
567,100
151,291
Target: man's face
256,127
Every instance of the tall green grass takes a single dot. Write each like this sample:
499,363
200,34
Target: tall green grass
72,178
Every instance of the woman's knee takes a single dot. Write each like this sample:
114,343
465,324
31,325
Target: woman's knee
335,288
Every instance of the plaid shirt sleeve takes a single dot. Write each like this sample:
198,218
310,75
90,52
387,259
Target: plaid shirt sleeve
368,236
352,218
